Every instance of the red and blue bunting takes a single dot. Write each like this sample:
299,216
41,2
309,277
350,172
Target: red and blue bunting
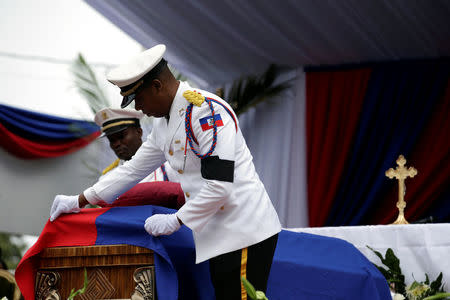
32,135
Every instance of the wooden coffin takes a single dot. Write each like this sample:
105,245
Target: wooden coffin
113,271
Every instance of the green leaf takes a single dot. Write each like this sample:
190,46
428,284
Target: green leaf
249,288
380,256
80,291
413,285
87,85
392,261
383,271
438,296
435,286
251,90
71,295
394,273
11,248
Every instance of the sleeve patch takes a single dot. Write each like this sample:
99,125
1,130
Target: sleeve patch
207,122
214,168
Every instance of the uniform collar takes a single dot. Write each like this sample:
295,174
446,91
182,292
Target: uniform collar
178,108
179,103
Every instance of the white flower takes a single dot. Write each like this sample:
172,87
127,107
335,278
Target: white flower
416,290
398,297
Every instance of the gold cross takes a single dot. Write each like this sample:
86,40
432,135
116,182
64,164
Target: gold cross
401,173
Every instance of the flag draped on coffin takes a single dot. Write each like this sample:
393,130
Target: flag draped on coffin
307,265
32,135
359,120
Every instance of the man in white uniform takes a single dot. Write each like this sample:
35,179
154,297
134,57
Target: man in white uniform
233,221
123,130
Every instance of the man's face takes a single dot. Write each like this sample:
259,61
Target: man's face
152,100
126,142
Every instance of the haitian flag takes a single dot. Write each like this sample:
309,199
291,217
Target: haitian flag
178,277
308,265
207,122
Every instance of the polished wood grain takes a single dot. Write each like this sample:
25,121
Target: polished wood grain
110,268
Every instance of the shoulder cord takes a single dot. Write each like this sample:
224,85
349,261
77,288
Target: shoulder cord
187,122
163,169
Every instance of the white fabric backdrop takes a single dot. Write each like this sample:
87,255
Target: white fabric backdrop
28,187
215,42
275,133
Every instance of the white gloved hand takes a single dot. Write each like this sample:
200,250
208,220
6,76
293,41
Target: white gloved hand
63,205
161,224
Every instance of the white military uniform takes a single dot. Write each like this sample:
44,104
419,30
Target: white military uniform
157,175
224,216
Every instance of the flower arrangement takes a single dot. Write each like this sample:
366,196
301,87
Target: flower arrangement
424,290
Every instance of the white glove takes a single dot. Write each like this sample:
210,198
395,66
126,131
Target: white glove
160,224
63,205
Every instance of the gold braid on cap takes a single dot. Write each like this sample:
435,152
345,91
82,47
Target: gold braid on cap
117,124
133,89
194,97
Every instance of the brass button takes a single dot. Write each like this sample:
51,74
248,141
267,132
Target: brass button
177,141
187,194
182,148
180,171
171,152
222,208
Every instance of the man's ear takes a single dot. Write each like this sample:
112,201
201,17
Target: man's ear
139,131
157,84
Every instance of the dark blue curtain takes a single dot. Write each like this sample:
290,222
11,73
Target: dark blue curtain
400,99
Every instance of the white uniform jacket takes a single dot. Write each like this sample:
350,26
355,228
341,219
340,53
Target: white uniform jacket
163,173
227,207
158,174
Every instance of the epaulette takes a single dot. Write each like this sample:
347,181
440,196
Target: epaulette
111,166
194,97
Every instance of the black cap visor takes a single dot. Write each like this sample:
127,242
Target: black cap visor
137,86
127,100
118,125
114,129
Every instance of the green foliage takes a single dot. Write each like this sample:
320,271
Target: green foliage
417,290
436,286
422,290
11,248
252,90
393,273
438,296
87,84
74,293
